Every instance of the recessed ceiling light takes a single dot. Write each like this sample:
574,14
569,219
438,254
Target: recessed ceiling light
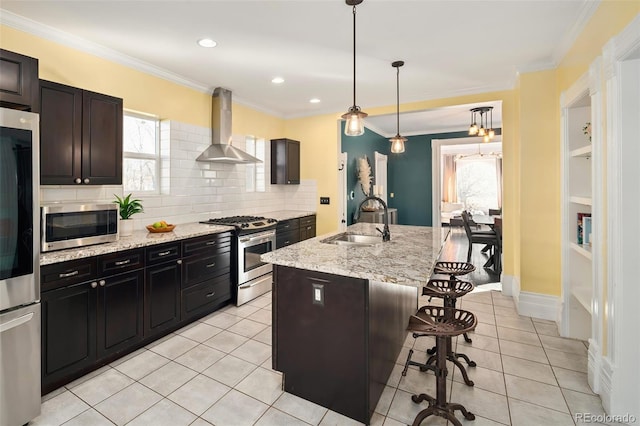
314,101
207,42
277,80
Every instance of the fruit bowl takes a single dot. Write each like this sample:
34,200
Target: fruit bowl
167,228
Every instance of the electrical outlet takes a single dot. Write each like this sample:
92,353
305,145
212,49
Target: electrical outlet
391,194
318,294
324,200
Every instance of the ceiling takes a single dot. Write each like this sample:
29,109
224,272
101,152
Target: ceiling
450,48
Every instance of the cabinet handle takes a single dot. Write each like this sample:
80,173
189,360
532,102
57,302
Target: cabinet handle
86,180
287,242
179,262
164,253
210,243
308,228
94,284
288,181
68,274
122,262
102,283
77,180
211,294
211,265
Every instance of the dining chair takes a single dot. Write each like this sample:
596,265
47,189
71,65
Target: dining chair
489,238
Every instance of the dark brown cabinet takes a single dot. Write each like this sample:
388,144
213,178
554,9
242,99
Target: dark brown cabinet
68,332
80,136
292,231
18,81
307,227
162,288
285,161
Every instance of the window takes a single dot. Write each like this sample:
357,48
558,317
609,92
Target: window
477,183
141,156
256,179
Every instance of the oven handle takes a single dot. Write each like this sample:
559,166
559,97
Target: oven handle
243,286
263,238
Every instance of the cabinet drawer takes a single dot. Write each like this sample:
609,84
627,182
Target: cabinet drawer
286,238
308,221
307,231
287,225
205,296
214,243
163,253
122,261
64,274
197,269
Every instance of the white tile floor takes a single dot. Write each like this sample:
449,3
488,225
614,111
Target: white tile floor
217,371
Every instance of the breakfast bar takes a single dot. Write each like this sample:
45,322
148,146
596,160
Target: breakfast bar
340,311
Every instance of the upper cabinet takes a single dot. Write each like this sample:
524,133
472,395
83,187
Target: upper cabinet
80,136
285,161
18,81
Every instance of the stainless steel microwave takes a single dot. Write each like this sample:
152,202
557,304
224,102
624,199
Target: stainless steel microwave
75,225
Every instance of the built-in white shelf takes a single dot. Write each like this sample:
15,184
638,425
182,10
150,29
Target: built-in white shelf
583,295
584,151
583,249
587,201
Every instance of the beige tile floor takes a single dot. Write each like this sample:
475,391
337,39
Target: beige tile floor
217,371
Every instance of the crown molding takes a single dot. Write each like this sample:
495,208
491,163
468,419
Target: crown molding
586,12
535,67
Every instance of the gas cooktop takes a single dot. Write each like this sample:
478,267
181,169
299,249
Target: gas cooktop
244,223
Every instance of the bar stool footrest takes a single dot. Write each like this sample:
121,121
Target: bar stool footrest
446,411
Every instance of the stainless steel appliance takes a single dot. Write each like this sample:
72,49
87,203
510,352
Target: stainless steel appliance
19,267
76,225
254,236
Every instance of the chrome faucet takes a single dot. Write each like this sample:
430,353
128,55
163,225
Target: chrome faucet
386,235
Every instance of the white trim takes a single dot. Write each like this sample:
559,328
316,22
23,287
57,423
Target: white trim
537,305
510,285
594,366
606,380
586,12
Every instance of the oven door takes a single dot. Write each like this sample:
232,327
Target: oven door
250,248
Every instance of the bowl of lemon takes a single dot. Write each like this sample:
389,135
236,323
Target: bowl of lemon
160,226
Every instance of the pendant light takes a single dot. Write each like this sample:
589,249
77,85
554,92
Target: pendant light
354,116
397,142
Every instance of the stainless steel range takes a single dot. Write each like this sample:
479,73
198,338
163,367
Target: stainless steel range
254,236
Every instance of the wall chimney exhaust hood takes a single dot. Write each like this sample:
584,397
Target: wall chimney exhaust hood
221,150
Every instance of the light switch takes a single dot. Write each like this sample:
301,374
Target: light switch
391,194
318,294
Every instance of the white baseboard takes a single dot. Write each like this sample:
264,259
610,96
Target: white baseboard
510,285
594,367
536,305
605,377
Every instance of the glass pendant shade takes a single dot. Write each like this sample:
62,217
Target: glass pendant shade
481,132
355,121
473,129
486,138
397,144
492,133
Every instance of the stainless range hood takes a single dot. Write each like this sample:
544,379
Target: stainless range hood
221,150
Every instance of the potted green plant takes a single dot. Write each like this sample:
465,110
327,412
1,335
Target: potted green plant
128,207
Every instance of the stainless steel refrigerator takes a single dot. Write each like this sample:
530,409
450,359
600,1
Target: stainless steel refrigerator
19,267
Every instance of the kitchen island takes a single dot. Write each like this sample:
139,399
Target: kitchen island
340,313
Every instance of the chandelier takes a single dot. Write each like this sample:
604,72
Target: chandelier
486,123
354,116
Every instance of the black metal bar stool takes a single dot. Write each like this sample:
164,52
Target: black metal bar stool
443,323
449,291
454,270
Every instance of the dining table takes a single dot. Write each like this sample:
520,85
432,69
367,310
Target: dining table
495,222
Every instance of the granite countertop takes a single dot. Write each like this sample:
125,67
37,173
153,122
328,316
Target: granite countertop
407,259
286,214
138,239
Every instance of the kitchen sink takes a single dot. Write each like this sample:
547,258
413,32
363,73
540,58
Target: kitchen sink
349,239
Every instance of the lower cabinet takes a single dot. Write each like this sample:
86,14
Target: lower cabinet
97,309
68,331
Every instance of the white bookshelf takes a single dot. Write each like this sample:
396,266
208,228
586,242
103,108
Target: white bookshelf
578,197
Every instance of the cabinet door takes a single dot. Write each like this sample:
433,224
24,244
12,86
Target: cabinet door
68,332
101,139
307,227
293,162
205,297
18,81
162,297
120,312
60,134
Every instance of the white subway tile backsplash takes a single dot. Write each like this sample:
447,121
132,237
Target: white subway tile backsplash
194,191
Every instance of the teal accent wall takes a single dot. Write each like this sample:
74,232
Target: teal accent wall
358,147
409,175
